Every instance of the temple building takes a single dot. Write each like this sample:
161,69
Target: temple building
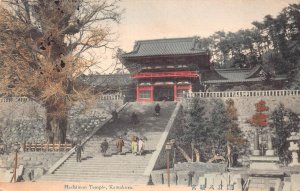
246,78
165,68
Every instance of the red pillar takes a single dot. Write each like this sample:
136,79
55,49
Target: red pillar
152,93
175,92
137,93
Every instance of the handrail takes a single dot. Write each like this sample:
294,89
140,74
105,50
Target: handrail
231,94
70,152
163,138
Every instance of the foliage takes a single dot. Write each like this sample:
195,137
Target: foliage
272,42
219,122
195,123
259,119
45,46
284,122
211,133
234,134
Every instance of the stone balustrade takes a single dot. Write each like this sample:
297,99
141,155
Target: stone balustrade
26,99
233,94
118,96
15,99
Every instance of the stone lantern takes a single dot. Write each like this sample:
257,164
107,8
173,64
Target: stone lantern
294,148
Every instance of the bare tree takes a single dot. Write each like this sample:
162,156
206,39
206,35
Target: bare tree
46,44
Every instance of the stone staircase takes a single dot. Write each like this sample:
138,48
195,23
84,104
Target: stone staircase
125,168
264,184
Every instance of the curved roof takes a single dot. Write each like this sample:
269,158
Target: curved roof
237,75
171,46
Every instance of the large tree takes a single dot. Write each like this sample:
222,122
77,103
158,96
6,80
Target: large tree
284,121
234,135
45,45
260,121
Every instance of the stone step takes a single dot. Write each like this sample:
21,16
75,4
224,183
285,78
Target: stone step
107,170
98,180
97,174
101,166
127,161
136,161
87,177
113,158
117,168
121,163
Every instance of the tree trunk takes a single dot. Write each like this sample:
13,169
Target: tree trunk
56,116
185,155
256,139
197,155
229,155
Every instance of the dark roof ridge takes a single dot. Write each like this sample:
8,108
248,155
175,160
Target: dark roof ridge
233,69
167,39
107,74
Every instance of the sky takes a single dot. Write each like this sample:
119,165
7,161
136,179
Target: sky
154,19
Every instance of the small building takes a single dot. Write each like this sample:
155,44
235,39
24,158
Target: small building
165,68
249,78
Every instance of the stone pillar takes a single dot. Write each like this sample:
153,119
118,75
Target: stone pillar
270,151
256,151
294,148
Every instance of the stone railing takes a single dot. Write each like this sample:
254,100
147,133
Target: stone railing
15,99
26,99
158,159
118,96
233,94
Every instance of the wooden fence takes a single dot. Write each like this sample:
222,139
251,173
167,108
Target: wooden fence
29,147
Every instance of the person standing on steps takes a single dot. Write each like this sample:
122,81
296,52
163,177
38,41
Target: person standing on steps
120,144
157,109
104,146
134,118
141,145
134,145
114,115
78,150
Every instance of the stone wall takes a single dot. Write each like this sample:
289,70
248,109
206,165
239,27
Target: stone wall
246,104
22,119
35,163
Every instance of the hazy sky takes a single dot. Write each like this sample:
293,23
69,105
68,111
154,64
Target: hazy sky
151,19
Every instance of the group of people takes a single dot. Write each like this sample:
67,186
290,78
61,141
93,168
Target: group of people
137,145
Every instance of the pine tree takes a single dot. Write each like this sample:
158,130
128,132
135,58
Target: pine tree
284,121
234,135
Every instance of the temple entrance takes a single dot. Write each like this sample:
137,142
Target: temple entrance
163,93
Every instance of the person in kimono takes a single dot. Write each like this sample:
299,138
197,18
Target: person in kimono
120,144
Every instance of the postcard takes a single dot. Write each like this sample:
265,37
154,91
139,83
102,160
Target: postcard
149,95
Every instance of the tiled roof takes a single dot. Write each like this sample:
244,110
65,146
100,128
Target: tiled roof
112,80
238,75
243,80
159,47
